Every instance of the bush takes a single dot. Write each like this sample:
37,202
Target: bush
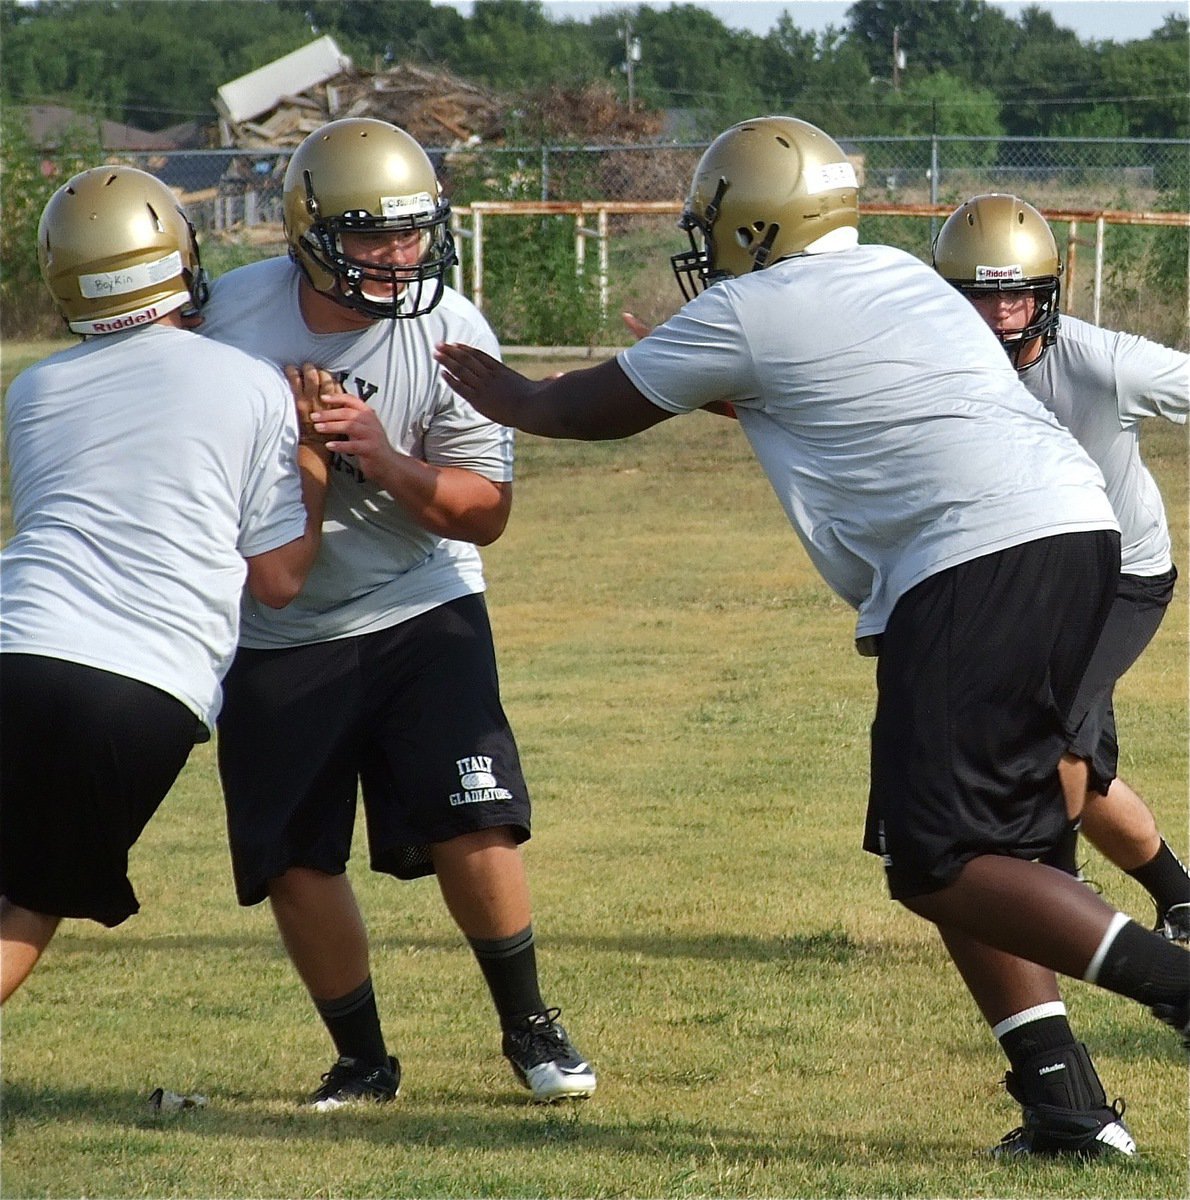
536,296
29,180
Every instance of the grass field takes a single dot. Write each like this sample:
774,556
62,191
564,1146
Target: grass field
765,1022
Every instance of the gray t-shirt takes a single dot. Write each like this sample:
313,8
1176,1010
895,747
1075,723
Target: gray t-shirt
145,467
1101,385
884,413
377,567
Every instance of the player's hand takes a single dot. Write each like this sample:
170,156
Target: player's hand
349,426
309,385
636,326
484,382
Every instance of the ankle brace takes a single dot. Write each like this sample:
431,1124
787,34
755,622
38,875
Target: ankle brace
1061,1078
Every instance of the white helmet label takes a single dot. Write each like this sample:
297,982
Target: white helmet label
118,323
825,177
130,279
422,203
1012,273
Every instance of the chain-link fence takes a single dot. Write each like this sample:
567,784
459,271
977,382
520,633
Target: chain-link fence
234,198
228,188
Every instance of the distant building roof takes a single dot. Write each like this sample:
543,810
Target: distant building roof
48,124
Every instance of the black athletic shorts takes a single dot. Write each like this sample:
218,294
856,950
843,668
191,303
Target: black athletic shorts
86,757
411,714
1135,616
979,667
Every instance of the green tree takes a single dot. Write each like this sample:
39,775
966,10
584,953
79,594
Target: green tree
512,44
691,60
943,105
384,31
839,93
1148,82
29,179
139,61
966,38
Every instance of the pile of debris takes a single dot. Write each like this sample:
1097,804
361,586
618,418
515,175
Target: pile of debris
277,105
593,113
436,108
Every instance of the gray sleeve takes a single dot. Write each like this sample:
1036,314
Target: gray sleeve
272,512
1151,380
701,354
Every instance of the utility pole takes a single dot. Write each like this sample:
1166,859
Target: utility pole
631,58
898,59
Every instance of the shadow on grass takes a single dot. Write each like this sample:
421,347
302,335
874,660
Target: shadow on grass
456,1122
824,954
826,946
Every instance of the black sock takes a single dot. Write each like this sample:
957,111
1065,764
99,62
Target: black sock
354,1025
510,967
1021,1042
1164,878
1143,966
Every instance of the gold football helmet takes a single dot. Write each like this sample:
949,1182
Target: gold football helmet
116,251
763,190
998,243
364,177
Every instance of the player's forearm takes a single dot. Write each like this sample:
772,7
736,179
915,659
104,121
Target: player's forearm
598,403
276,577
450,502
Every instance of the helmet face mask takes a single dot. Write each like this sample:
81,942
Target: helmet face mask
117,251
997,244
764,190
365,220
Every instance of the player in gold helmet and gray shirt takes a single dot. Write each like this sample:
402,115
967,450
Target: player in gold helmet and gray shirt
383,675
966,526
154,475
999,251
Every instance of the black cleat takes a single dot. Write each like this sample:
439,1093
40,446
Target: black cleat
1174,923
545,1061
351,1082
1049,1132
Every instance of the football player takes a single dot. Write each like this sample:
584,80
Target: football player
971,532
143,499
382,674
1000,253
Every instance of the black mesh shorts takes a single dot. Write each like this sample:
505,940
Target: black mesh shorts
409,716
86,757
978,671
1135,616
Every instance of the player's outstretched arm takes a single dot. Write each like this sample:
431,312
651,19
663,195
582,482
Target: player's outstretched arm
595,404
638,329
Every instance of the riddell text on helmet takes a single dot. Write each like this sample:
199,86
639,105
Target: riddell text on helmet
138,318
